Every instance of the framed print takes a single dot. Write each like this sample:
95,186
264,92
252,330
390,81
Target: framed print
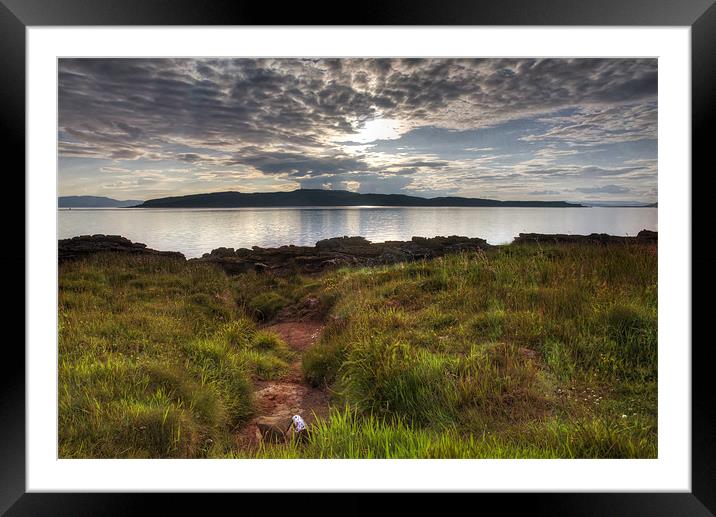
427,252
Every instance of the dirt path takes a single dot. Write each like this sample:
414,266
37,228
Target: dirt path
277,401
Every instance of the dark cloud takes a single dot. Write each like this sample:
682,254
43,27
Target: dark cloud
299,165
188,157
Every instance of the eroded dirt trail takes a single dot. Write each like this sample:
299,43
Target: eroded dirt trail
278,400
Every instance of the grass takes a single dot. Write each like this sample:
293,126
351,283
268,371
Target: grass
521,351
345,434
155,359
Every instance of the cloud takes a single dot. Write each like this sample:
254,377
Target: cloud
188,157
114,169
296,164
546,193
602,172
606,189
402,125
597,125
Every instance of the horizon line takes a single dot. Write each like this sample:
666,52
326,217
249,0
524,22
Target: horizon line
610,202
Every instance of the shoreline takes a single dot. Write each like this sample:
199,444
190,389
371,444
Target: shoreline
333,252
544,349
330,207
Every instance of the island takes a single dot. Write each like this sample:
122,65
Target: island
319,197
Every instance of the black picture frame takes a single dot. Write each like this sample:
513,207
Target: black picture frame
17,15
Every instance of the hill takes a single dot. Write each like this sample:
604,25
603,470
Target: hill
94,202
317,197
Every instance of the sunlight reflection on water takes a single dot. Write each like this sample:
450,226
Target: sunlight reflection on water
197,231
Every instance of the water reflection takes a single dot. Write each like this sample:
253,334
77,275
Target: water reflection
197,231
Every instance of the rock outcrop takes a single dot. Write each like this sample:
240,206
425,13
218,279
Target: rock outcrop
339,251
643,237
84,245
330,253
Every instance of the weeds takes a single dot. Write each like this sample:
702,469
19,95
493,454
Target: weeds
520,351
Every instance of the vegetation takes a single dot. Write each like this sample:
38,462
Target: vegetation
154,359
521,351
344,434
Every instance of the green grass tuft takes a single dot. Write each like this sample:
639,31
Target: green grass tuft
266,305
347,434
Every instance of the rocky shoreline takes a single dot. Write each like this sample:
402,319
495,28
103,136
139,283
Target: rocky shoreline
339,251
643,237
329,253
85,245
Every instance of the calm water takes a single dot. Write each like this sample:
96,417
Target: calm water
197,231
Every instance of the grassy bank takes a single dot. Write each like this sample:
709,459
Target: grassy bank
154,359
521,351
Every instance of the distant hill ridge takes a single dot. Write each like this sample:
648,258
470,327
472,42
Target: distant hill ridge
94,202
317,197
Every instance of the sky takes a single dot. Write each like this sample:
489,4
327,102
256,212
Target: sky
509,129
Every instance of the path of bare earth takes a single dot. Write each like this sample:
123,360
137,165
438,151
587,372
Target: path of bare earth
278,400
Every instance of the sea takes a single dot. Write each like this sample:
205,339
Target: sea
196,231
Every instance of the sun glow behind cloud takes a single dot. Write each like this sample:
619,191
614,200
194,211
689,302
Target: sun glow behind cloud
379,129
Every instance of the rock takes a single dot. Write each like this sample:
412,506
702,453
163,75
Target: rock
260,266
647,236
337,243
224,252
85,245
330,253
337,252
643,237
271,433
271,430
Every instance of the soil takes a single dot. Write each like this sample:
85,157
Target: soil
278,400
